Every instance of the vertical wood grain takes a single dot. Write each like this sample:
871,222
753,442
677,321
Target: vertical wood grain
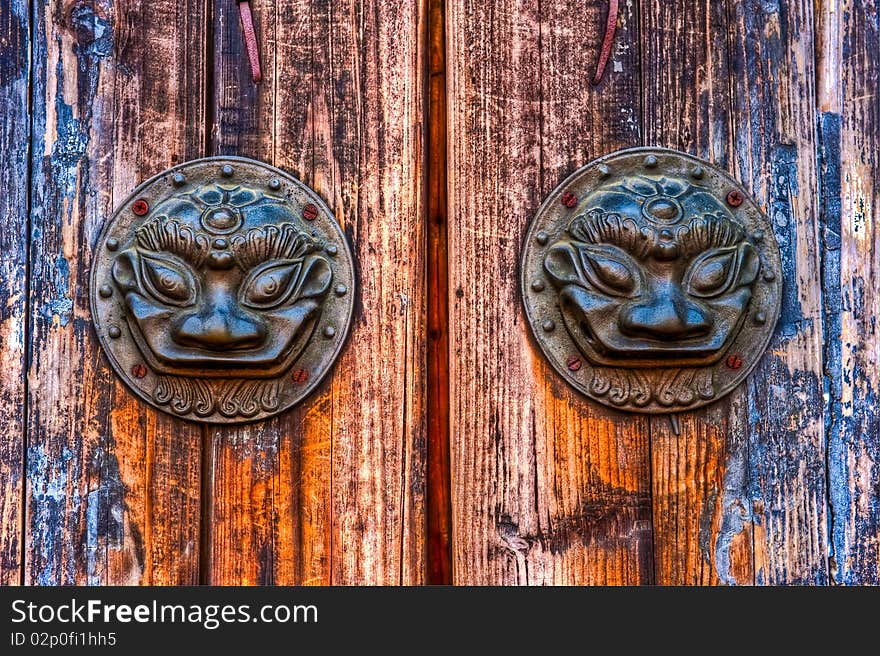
699,477
547,487
14,141
438,489
333,491
739,497
848,66
773,91
113,486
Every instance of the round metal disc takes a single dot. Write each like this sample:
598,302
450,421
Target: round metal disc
651,281
222,290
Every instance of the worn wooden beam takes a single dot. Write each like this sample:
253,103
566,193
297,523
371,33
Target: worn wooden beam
438,489
333,491
112,486
547,487
14,141
848,68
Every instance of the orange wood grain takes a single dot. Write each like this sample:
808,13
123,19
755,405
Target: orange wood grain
547,487
333,492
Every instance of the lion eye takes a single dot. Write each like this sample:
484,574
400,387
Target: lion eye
712,273
170,282
610,270
270,285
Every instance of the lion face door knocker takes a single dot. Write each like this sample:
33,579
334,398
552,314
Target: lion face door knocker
221,290
651,281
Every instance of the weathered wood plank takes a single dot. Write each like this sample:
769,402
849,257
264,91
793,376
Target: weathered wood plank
774,117
14,138
848,67
547,487
333,491
698,477
113,487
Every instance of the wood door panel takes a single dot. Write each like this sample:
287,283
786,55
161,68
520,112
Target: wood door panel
333,492
113,486
547,487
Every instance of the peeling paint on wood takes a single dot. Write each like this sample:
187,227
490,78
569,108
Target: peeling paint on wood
112,486
14,138
850,147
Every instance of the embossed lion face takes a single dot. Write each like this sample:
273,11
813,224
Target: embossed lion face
220,280
654,272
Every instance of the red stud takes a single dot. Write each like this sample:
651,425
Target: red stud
140,207
139,370
734,362
310,212
299,376
574,363
734,198
569,199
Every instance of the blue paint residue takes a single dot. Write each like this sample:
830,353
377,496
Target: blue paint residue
830,229
784,187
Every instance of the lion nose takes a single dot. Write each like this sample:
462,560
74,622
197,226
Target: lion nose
666,317
220,328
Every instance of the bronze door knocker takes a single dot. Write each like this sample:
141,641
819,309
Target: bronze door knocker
651,281
221,290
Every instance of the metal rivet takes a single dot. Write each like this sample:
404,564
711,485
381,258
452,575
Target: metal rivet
140,207
341,290
178,179
274,184
650,161
569,199
220,243
769,276
139,370
331,250
734,198
112,244
549,326
757,235
105,291
573,363
538,285
542,238
310,212
604,171
114,332
329,331
697,173
227,171
299,376
760,318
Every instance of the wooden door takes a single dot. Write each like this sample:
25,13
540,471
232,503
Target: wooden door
443,447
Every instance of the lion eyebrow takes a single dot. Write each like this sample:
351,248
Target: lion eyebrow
164,234
272,242
597,227
709,231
